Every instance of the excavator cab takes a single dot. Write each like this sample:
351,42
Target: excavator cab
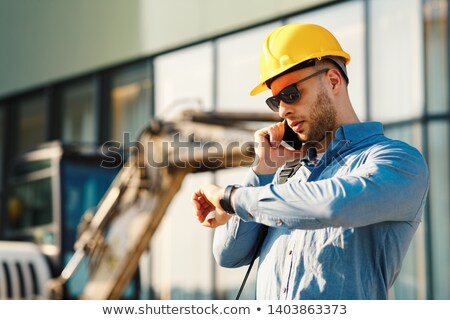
49,190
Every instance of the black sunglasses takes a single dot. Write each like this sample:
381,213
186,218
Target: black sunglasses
290,94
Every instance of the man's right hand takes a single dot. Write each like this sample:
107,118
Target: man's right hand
270,154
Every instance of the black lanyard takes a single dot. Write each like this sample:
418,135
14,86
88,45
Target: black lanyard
288,171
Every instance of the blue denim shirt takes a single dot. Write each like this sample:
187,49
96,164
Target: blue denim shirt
339,230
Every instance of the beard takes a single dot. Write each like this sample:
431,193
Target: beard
322,119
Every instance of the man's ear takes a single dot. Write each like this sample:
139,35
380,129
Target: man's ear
335,79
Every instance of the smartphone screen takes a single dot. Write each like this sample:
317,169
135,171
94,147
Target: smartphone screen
290,141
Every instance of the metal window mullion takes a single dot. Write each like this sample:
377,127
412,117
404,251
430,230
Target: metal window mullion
367,54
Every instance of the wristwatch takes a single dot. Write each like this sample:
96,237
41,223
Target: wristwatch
225,202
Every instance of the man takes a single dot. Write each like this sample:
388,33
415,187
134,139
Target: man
339,222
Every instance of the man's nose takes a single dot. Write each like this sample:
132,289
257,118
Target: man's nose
284,109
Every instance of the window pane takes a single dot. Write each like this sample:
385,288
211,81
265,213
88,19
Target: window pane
32,114
346,22
436,37
410,133
34,199
83,184
2,141
184,79
438,135
411,282
130,100
238,70
30,202
396,71
181,250
79,117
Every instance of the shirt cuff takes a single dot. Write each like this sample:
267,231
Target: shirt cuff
246,201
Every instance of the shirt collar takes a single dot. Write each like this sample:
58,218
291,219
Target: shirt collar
346,136
356,132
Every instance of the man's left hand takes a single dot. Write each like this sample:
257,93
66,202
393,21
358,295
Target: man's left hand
207,199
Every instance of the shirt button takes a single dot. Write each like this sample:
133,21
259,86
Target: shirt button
279,222
290,252
250,216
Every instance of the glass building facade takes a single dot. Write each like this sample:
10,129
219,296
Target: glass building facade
398,75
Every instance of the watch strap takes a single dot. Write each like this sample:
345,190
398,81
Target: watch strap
225,202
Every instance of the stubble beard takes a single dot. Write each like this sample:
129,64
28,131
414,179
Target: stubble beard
322,119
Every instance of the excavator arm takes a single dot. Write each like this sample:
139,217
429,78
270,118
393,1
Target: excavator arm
113,238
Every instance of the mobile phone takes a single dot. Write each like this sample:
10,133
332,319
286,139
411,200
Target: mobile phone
290,140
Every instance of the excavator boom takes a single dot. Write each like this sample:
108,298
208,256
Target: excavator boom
114,237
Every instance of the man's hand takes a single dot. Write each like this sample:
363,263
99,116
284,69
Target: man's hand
270,155
206,200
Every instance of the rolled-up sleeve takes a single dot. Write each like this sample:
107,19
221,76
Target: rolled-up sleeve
390,186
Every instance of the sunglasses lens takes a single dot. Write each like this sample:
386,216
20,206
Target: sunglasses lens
288,95
273,103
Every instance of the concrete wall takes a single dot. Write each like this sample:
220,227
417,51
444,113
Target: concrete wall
42,41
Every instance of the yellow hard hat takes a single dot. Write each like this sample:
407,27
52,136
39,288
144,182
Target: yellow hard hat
292,44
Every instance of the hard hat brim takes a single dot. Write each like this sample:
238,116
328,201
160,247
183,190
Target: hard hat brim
262,86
